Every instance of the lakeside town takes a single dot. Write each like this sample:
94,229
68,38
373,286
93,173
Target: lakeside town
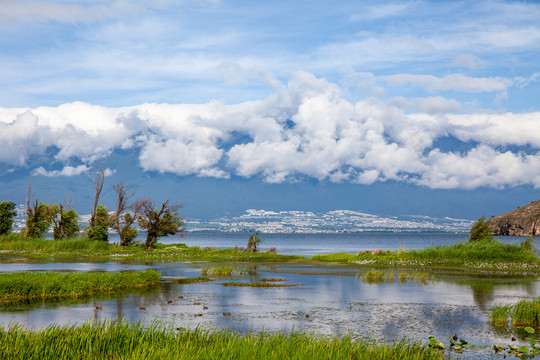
294,221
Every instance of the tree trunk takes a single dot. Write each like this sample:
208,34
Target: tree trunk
150,240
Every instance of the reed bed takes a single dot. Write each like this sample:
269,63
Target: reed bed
223,271
192,280
118,339
49,285
499,314
258,284
526,312
274,280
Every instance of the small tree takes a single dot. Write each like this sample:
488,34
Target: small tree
65,222
122,221
38,217
159,222
100,230
481,230
253,241
7,214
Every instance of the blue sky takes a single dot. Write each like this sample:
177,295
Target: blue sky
422,96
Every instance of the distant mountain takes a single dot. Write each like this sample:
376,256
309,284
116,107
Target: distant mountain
522,221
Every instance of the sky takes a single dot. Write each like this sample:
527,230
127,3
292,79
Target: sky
424,107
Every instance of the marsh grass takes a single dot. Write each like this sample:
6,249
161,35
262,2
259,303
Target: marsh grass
258,284
500,314
223,271
378,277
19,286
476,251
18,245
118,339
274,280
192,280
526,312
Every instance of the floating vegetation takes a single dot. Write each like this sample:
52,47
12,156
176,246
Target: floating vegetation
118,339
192,280
224,271
526,312
20,286
258,284
378,277
274,280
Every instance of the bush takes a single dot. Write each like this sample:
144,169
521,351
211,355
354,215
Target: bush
481,231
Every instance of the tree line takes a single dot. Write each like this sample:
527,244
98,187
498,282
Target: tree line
156,220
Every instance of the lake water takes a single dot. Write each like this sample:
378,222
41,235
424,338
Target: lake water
334,298
312,244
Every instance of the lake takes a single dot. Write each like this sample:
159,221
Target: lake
330,300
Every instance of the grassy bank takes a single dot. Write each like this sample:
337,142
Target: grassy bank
17,245
492,256
122,340
20,286
481,255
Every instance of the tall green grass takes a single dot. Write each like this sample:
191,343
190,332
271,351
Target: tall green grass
49,285
475,251
122,340
526,312
19,242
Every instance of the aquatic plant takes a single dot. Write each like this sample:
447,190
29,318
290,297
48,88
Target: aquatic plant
223,270
192,280
500,314
118,339
258,285
526,312
274,280
49,285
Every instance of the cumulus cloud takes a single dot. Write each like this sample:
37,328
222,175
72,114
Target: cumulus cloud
307,128
66,171
468,61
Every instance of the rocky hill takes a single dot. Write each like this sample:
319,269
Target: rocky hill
523,221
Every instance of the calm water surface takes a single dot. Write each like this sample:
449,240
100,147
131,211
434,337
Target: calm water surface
334,298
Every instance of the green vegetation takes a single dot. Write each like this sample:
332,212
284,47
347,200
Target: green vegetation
38,220
98,229
192,280
274,280
500,314
7,214
159,222
18,245
253,242
481,231
526,312
482,255
224,270
258,284
122,340
48,285
65,223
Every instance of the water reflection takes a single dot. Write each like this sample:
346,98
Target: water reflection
332,297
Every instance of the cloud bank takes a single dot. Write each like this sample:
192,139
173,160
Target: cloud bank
307,129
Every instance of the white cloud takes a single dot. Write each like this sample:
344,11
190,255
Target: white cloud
307,128
455,82
17,10
468,61
66,171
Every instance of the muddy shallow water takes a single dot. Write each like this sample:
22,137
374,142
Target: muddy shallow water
332,300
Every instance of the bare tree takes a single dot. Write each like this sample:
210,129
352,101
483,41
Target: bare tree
159,222
99,178
121,221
